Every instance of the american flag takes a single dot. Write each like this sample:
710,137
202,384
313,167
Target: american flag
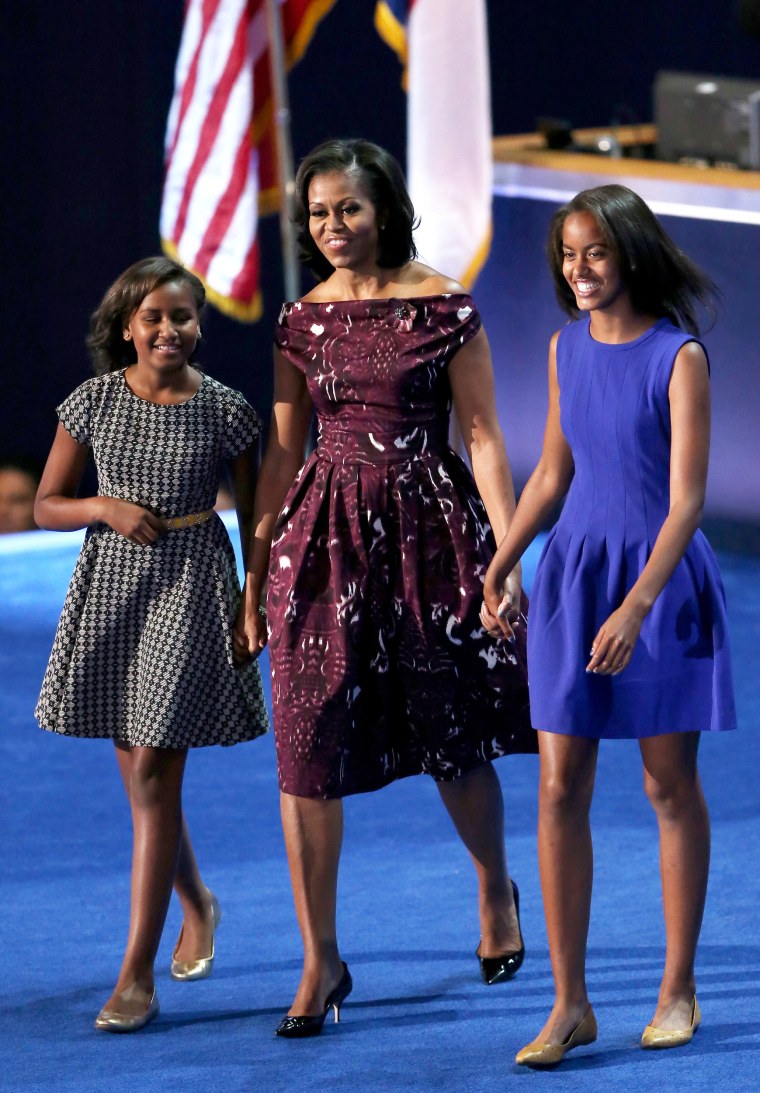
221,164
443,45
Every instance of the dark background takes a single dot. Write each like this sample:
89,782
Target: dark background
86,90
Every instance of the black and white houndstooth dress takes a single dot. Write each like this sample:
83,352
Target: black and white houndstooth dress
143,650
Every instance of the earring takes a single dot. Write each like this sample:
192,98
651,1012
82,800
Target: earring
127,336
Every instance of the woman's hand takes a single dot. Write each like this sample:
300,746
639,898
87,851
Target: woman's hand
612,647
500,613
249,634
132,521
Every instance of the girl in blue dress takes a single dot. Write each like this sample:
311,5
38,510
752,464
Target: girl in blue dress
627,635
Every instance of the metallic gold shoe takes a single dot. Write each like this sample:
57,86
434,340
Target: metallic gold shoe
112,1021
539,1053
672,1037
186,970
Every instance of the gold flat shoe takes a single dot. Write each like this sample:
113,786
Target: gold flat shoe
112,1021
186,970
540,1053
672,1037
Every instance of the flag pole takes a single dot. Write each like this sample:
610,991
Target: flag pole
284,146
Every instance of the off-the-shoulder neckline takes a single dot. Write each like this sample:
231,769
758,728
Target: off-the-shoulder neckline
380,300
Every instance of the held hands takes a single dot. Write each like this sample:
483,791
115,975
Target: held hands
612,647
132,521
249,634
500,613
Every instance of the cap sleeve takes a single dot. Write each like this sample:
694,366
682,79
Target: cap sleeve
294,333
468,318
242,424
75,413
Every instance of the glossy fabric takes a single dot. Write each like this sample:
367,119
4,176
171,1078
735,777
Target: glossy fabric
380,666
615,415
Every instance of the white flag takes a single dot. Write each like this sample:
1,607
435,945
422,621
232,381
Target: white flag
444,44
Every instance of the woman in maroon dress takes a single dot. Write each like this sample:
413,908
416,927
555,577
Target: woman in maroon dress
380,665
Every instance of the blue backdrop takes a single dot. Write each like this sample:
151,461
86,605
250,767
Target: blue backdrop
86,92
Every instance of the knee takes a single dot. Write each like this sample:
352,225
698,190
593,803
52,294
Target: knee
566,797
151,783
672,792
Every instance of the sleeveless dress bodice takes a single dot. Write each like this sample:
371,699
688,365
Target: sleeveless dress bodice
615,416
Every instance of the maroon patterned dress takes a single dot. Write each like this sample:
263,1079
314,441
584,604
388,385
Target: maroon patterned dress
380,666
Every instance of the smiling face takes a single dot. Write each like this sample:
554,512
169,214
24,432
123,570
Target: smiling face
343,221
589,265
164,328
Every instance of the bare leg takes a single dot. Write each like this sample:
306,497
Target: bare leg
672,783
475,805
565,858
155,797
313,838
197,926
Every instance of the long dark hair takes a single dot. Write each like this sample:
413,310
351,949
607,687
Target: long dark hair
661,280
105,342
384,182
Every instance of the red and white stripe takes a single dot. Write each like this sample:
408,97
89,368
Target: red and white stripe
210,205
221,170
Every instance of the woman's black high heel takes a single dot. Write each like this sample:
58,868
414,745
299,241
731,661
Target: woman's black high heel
498,969
295,1028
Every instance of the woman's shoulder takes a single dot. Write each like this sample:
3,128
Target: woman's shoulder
412,281
423,280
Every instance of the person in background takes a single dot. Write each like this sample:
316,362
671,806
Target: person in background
19,478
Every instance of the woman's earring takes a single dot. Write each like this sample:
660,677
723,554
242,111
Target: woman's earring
127,336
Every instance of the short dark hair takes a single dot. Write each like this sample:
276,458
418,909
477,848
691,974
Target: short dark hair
660,278
25,464
105,342
384,182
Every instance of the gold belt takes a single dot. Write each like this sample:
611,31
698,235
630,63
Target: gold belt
177,523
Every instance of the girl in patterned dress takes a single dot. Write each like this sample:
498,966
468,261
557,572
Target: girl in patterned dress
143,652
380,666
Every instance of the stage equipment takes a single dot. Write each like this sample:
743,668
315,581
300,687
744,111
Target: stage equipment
713,120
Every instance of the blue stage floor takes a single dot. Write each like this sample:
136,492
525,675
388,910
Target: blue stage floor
419,1017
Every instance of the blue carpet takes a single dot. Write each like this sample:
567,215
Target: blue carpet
419,1018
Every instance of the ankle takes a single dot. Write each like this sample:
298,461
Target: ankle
134,988
199,906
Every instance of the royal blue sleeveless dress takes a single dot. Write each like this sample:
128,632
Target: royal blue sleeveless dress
615,415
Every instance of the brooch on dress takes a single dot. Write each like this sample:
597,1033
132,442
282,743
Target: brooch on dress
404,316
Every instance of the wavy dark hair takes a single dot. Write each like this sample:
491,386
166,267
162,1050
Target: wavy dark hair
661,280
105,343
384,182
